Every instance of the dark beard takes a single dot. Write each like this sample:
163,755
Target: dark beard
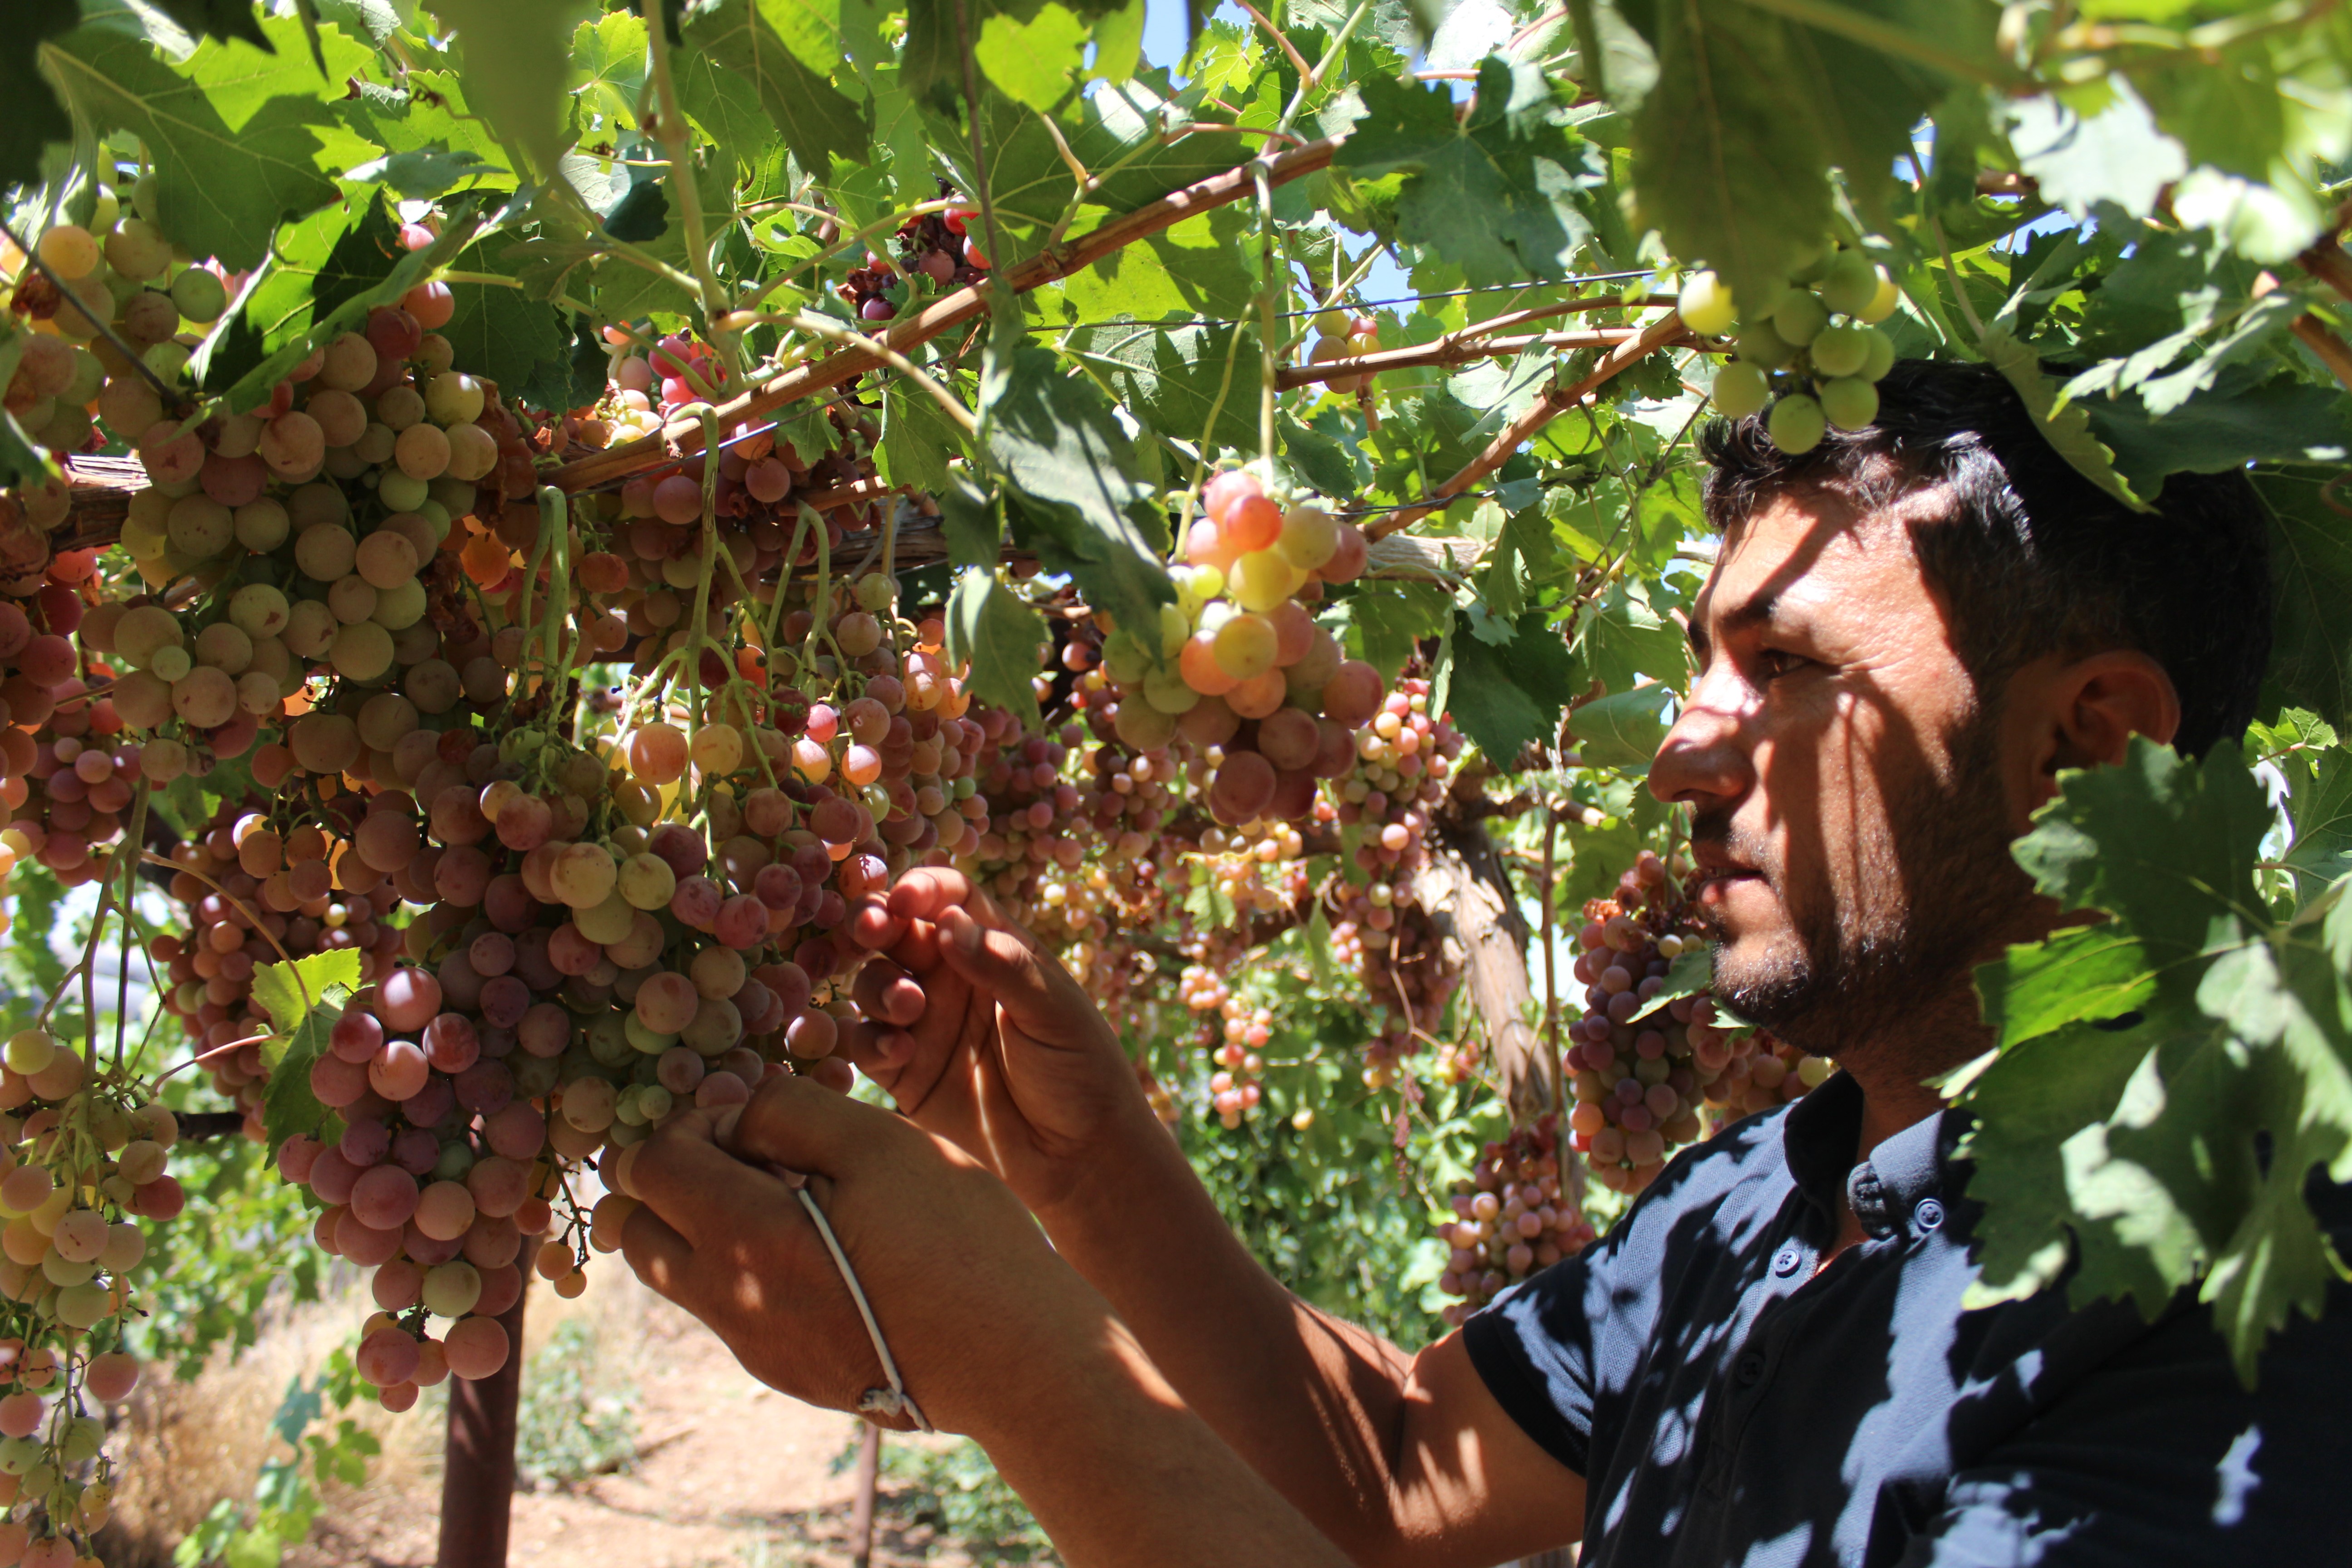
1890,982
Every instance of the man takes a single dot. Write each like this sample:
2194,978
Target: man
1909,632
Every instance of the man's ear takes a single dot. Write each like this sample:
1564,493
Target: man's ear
2092,707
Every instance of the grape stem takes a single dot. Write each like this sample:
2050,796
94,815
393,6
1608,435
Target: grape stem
138,835
678,141
833,331
149,857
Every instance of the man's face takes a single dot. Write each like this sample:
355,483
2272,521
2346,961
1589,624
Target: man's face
1850,821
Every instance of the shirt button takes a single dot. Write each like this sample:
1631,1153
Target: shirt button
1750,1369
1928,1214
1785,1261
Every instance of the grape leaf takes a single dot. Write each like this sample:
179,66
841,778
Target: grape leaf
2139,1138
240,139
918,438
321,261
1506,699
2238,422
516,64
1500,193
1171,378
2113,154
303,1000
1200,267
2319,806
1072,470
432,116
1032,61
1622,729
1324,463
999,632
1520,562
2311,626
1627,639
222,19
35,117
291,325
608,66
2068,429
503,334
1386,618
817,120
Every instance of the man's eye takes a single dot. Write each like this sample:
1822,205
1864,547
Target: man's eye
1773,663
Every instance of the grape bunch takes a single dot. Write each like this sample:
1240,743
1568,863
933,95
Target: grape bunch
1510,1218
1814,345
1646,1066
936,247
84,1157
1239,665
1339,335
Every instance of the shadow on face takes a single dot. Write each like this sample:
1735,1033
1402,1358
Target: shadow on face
1849,817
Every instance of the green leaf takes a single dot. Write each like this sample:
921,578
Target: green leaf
516,63
1033,61
295,333
1622,729
1171,378
1200,267
1000,634
1499,194
303,1000
1691,973
2138,1135
1071,469
1734,143
1627,639
608,66
2113,154
240,139
817,122
1324,464
1387,617
34,116
918,438
2067,429
1507,698
322,262
1521,562
503,334
2311,626
2283,420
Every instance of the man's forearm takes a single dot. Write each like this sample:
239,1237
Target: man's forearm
1122,1474
1313,1405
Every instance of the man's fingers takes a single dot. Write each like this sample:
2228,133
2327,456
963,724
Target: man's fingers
873,927
658,1255
697,1186
886,993
922,893
796,1124
998,964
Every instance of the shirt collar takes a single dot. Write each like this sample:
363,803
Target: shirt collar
1820,1135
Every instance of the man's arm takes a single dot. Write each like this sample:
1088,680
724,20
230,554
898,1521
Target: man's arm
995,1335
1397,1458
996,1048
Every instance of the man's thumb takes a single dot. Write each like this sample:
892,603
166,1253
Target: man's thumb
1000,965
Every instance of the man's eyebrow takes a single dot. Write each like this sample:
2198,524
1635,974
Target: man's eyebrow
1758,609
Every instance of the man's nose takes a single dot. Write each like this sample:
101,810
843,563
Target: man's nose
1703,760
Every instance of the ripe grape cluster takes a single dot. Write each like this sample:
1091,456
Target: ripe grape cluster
1814,342
1511,1217
1339,335
936,247
1651,1063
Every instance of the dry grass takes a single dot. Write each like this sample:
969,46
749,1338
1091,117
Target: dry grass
181,1446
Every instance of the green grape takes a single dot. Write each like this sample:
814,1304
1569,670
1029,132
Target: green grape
1850,283
136,251
1331,323
1797,424
1841,351
1849,403
1801,317
1706,305
1740,389
199,295
1881,303
1882,356
1761,346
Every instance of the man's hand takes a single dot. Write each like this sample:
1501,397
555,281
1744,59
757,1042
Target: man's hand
939,1245
985,1040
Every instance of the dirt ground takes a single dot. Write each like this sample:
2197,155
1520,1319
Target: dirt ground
729,1474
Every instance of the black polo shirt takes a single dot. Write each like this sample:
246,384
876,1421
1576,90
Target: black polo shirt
1726,1405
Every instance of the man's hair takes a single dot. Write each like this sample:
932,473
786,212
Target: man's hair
2032,557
